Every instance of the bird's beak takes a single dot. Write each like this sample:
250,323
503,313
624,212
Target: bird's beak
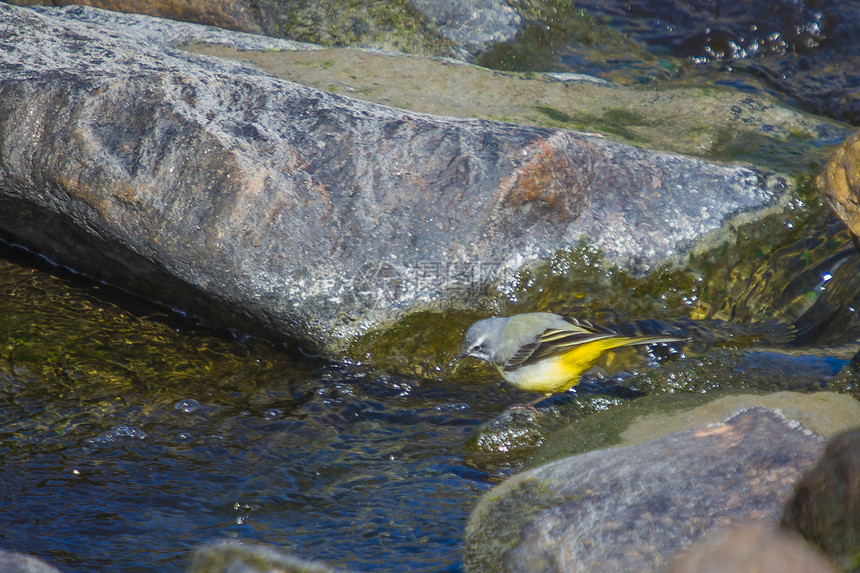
457,359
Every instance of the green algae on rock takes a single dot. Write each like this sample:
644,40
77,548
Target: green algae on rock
704,121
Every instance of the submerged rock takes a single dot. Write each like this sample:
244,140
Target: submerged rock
636,507
237,557
472,25
268,205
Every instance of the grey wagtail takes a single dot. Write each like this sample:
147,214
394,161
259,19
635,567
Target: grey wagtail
544,352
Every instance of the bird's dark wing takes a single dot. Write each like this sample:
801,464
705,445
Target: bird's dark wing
554,341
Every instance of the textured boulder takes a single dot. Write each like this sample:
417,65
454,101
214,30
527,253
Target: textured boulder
265,204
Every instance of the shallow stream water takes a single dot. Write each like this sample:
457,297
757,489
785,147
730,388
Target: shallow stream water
126,442
129,436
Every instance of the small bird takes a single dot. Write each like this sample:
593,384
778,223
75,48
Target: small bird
544,352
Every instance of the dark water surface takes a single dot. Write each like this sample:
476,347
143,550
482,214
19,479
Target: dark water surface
804,52
807,51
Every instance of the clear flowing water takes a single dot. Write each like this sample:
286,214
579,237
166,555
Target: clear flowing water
126,442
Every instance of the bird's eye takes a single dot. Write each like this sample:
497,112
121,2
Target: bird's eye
478,349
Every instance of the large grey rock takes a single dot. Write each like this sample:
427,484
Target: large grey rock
634,508
265,204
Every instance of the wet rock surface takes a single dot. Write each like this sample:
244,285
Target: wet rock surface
472,24
272,206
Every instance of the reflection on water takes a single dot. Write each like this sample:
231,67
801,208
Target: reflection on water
806,280
808,52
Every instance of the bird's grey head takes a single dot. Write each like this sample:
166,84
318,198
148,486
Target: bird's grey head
482,339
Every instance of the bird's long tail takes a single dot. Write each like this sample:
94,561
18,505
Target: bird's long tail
637,340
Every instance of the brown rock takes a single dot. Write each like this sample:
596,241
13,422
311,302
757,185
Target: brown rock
840,182
756,548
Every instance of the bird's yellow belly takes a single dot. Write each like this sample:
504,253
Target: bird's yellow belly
558,373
